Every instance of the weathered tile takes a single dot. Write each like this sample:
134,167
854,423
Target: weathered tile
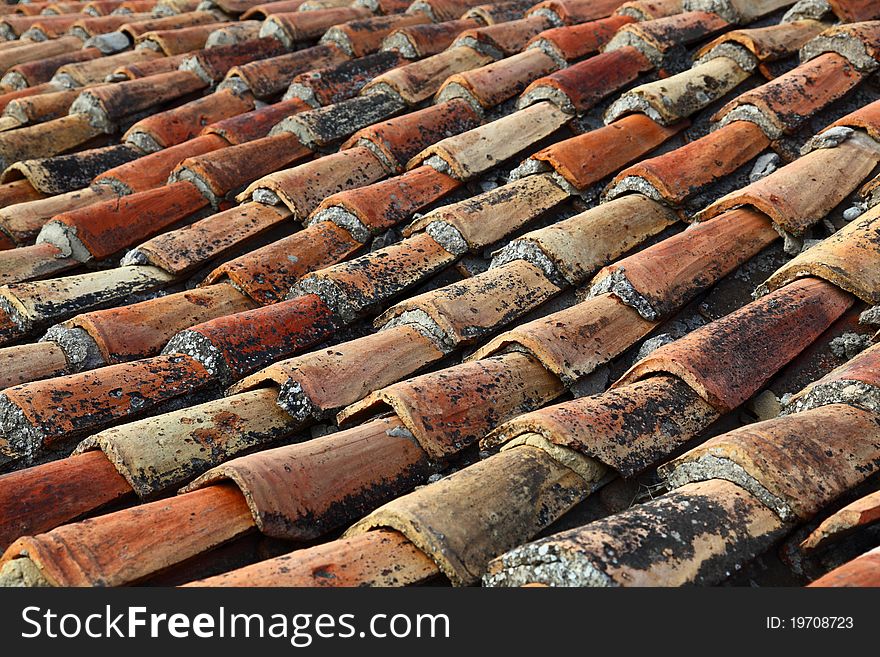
364,36
158,453
256,123
105,228
671,99
41,414
864,511
152,171
576,247
29,263
478,150
95,71
417,41
628,429
396,141
860,572
30,74
503,39
468,518
793,205
177,41
213,64
795,464
36,303
586,159
266,274
571,12
140,330
177,125
28,362
728,360
500,12
144,68
222,173
694,535
679,174
46,139
573,42
37,499
470,309
449,410
418,81
378,558
233,346
332,84
377,207
492,84
266,77
303,187
62,174
23,221
856,42
192,246
579,87
571,343
781,105
303,491
314,385
299,26
92,553
654,39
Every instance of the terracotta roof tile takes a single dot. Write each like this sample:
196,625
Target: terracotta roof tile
303,491
675,176
864,511
471,516
349,562
23,221
32,262
655,38
296,27
503,39
104,228
266,274
96,70
40,502
860,572
317,384
588,158
179,124
846,259
857,42
645,10
30,74
572,42
425,40
365,35
203,435
186,19
262,10
198,523
185,249
151,171
579,87
144,68
267,77
571,12
385,204
332,84
46,139
396,141
142,329
89,27
717,522
18,191
500,12
222,173
793,207
854,10
629,429
443,10
695,357
781,105
92,400
492,84
212,64
795,464
303,187
418,81
852,383
177,41
256,123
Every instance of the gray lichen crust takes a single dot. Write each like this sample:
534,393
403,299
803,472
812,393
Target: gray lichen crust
635,184
754,115
345,220
79,347
617,284
855,393
421,321
197,346
296,403
23,438
709,466
447,236
329,293
64,238
732,50
541,563
525,249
